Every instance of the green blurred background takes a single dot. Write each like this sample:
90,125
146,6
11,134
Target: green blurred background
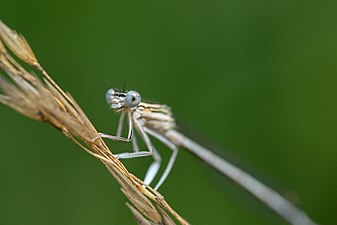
256,77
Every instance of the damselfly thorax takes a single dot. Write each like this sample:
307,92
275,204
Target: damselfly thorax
155,117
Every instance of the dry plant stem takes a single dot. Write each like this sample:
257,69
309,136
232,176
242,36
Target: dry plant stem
45,101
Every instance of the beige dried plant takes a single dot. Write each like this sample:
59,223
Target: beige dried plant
44,100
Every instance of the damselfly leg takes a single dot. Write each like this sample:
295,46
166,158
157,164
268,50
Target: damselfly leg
125,155
118,136
172,159
143,132
154,167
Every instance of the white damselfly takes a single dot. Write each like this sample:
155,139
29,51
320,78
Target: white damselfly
157,120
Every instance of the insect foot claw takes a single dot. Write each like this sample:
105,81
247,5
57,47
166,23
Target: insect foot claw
159,197
96,138
116,158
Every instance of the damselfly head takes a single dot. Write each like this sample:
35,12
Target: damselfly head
119,100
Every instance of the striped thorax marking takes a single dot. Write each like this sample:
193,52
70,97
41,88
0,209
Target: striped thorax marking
155,117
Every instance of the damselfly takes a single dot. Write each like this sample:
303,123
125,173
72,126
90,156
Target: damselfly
157,120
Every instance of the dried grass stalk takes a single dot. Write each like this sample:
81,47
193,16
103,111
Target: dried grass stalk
45,101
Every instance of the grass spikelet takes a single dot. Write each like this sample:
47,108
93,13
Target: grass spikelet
45,101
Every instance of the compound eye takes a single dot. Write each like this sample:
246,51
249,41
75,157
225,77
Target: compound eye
109,95
132,98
